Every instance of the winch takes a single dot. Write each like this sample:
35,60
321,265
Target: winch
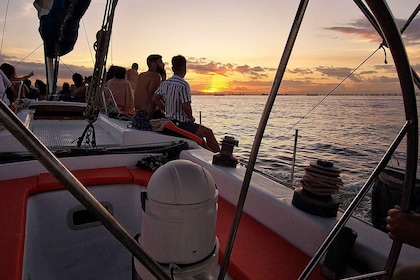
179,221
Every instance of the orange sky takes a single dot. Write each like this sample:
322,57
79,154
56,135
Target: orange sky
231,46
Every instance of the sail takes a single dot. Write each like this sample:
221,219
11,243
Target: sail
59,24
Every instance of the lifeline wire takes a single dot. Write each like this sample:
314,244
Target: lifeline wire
328,94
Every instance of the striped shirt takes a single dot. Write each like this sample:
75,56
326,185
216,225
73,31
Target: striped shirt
175,91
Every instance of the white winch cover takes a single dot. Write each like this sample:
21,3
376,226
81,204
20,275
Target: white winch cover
179,218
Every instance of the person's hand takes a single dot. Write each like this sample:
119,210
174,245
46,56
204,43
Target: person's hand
163,74
403,227
192,119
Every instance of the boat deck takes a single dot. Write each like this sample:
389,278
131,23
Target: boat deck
66,135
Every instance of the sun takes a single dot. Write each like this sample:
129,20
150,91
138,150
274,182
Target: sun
217,84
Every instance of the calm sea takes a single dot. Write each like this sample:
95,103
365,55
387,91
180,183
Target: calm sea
353,132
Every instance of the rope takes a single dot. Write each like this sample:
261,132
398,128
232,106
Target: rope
381,46
4,26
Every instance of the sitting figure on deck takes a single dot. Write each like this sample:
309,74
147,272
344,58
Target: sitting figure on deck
13,90
4,87
174,95
132,75
405,228
64,94
41,88
78,89
147,83
121,90
31,93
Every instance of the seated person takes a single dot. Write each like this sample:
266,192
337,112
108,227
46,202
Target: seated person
4,88
147,84
78,89
31,93
41,88
121,90
174,98
405,228
64,94
13,90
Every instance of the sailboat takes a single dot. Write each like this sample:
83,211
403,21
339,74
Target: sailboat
83,196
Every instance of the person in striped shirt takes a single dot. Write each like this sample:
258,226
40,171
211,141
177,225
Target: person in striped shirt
174,98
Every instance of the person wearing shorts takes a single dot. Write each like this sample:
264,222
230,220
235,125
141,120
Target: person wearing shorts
174,97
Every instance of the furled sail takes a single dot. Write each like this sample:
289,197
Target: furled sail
59,24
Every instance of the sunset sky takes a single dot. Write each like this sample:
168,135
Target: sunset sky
231,46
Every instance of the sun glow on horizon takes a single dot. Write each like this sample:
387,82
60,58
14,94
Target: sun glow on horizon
217,84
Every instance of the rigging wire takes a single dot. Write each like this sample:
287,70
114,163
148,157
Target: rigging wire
23,59
65,65
381,46
87,40
4,26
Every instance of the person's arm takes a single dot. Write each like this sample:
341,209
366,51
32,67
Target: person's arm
129,100
154,84
403,227
24,77
188,110
162,73
157,100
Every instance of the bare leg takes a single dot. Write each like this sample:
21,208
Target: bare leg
207,133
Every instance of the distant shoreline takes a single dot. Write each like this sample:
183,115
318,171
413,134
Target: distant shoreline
301,94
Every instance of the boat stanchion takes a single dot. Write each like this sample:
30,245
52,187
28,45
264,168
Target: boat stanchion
226,157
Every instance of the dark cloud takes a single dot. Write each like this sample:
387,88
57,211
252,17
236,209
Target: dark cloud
363,29
301,71
206,67
368,72
412,34
253,72
360,27
390,68
338,72
64,74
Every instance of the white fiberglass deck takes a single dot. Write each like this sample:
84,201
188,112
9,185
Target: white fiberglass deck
55,134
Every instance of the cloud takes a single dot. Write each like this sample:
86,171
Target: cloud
338,72
205,67
301,71
360,27
412,34
389,68
64,74
363,29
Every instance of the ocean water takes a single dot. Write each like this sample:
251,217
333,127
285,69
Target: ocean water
353,132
